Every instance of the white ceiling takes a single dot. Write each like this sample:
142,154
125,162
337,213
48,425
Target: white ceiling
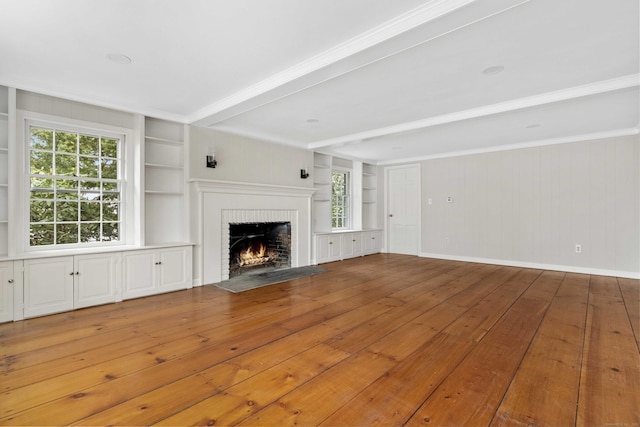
382,81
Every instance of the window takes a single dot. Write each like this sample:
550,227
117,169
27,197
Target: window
340,192
75,182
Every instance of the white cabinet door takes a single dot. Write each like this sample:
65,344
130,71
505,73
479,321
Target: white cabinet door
6,291
322,248
351,245
175,269
150,272
334,248
95,279
48,286
372,242
139,273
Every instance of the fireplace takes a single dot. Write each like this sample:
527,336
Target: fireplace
256,247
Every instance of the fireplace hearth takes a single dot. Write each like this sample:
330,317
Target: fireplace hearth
256,247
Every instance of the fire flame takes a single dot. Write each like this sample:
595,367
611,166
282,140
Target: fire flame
253,256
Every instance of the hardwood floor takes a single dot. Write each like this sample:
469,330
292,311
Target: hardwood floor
380,340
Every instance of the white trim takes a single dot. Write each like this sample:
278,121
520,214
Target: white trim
235,187
403,23
44,90
487,110
541,143
524,264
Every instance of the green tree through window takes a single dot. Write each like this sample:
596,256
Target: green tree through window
75,187
340,199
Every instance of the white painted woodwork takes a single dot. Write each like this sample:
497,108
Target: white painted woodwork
139,274
153,271
403,209
48,286
175,269
7,286
95,279
345,244
164,182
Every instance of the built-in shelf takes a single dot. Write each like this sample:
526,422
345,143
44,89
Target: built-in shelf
165,199
4,149
164,140
162,166
164,193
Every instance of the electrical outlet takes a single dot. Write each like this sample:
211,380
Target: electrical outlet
578,249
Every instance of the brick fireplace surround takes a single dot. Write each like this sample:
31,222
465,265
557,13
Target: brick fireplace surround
221,202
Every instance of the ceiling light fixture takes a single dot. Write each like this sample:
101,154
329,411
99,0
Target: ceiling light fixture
312,120
118,58
490,71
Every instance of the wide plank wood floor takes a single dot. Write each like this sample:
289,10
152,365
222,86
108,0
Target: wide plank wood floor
380,340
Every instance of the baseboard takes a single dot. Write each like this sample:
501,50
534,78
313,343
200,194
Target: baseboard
554,267
196,282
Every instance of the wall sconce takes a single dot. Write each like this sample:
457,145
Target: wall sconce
211,161
304,174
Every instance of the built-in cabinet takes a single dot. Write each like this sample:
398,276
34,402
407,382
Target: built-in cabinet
165,196
348,244
151,272
55,284
58,284
366,238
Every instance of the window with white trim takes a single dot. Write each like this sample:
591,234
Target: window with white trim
75,186
340,199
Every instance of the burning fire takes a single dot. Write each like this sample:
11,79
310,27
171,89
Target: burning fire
254,256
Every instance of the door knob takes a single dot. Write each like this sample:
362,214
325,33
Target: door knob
390,215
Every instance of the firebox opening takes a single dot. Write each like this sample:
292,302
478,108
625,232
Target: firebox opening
258,246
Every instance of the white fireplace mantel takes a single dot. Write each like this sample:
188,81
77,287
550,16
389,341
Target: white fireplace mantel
220,202
234,187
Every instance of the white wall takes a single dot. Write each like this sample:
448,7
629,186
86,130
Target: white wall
532,206
243,159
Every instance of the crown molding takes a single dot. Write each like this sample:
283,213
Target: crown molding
522,145
148,112
392,28
502,107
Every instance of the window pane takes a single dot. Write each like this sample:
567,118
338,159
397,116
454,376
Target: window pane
109,147
66,189
90,211
65,164
41,234
110,211
108,187
41,211
41,162
90,185
109,169
66,233
89,145
90,232
89,166
90,195
66,142
67,211
42,139
110,231
41,188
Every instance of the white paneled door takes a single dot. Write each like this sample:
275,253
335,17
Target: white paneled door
403,209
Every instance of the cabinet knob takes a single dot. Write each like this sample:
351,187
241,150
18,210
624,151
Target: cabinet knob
77,273
331,243
10,280
72,273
